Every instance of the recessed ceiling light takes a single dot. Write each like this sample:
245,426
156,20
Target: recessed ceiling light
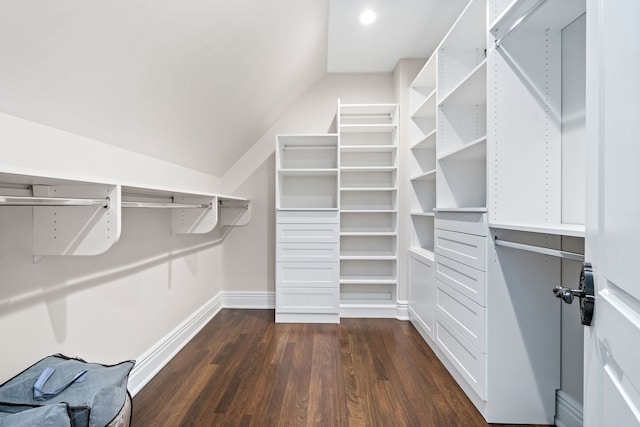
367,17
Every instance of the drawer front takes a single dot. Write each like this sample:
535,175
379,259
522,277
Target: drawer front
307,217
463,222
468,249
305,300
467,360
308,252
466,316
307,233
466,280
307,275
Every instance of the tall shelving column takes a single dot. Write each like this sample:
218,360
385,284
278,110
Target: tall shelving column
423,132
461,232
307,229
536,168
368,209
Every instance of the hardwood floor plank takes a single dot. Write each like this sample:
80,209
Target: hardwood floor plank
242,369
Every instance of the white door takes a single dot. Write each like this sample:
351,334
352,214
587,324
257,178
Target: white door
612,343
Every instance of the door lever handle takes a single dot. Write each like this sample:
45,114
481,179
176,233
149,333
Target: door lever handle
585,292
566,294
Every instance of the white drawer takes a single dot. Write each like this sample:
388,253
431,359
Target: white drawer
306,217
466,280
308,233
308,252
468,249
307,275
464,222
467,360
305,300
463,314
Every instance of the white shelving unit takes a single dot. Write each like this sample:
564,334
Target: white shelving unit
423,94
368,209
73,217
536,198
307,228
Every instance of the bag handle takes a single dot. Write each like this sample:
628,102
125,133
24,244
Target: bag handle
40,394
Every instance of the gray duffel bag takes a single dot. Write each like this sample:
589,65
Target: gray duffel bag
59,391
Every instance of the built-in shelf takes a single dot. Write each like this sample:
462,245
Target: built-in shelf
366,280
475,150
308,172
367,148
368,128
427,108
368,233
572,230
366,257
368,254
367,168
427,176
423,253
479,209
423,214
368,189
427,142
472,90
73,217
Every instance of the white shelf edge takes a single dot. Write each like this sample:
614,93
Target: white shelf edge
363,128
468,147
368,210
570,230
368,189
308,170
368,258
371,280
431,214
422,253
431,98
367,233
467,78
368,148
427,176
431,134
479,209
307,209
368,168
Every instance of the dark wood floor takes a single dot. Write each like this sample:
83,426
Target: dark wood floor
242,369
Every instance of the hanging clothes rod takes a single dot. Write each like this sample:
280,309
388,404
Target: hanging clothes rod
520,21
366,116
169,205
537,249
51,201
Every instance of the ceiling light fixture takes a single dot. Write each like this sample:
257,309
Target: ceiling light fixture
367,17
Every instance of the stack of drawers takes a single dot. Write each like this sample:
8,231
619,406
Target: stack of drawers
460,273
307,266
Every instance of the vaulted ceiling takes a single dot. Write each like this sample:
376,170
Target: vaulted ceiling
194,82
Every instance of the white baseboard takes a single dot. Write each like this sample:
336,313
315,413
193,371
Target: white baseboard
568,411
154,359
256,300
402,310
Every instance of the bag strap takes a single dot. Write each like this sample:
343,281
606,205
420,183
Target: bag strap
40,394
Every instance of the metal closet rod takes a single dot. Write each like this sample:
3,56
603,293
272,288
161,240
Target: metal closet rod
52,201
166,205
537,249
520,21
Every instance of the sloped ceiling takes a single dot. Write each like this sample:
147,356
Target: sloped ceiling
195,82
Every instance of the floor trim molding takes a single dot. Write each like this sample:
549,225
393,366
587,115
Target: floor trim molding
568,411
256,300
154,359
